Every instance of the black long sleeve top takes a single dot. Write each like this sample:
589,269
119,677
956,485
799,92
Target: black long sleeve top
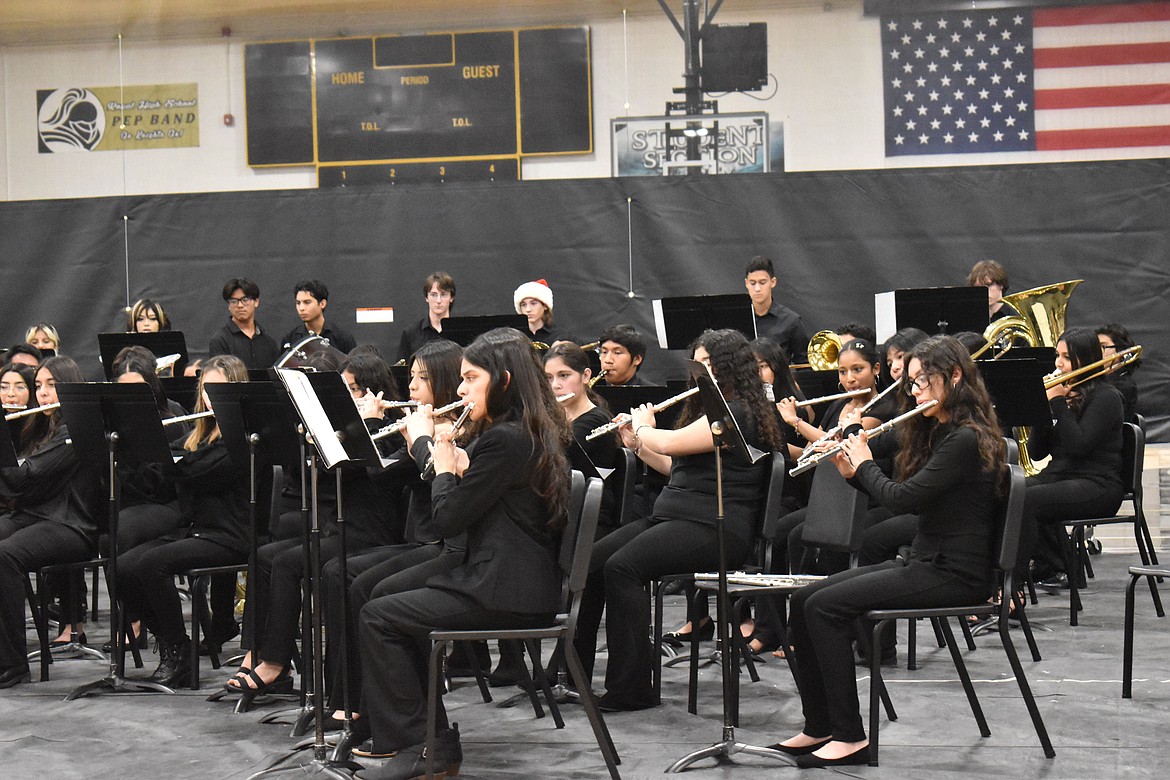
510,561
1084,444
690,494
955,499
53,484
213,496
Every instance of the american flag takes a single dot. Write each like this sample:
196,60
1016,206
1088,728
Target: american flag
1014,80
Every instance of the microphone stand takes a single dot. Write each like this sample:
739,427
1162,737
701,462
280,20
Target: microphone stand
725,432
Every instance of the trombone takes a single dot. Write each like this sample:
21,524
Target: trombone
623,419
811,461
823,350
1095,369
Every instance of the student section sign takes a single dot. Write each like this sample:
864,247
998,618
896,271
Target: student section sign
106,119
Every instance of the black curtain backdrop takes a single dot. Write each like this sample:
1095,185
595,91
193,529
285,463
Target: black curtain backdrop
836,238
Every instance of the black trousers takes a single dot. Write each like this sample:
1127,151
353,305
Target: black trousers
26,544
883,540
395,652
821,629
143,522
274,597
1049,502
146,580
392,569
622,566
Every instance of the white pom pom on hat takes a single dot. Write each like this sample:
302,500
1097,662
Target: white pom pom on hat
538,290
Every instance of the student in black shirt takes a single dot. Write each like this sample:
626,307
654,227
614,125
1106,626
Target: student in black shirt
508,493
680,535
950,470
242,336
439,292
1083,478
535,301
312,296
213,497
55,500
622,350
773,320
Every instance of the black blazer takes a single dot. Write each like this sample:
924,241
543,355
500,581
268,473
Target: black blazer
510,562
53,484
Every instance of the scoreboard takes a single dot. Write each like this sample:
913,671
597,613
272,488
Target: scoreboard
432,107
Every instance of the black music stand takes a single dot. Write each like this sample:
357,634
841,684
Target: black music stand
726,433
931,309
7,446
463,330
1017,390
259,429
116,421
181,389
161,344
328,414
679,321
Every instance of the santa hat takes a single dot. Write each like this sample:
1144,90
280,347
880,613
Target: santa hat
538,290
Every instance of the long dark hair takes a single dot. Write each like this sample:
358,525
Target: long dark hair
784,385
370,372
441,359
1084,348
141,361
575,358
40,428
518,391
966,404
738,377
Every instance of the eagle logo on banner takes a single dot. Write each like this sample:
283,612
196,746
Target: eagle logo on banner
69,120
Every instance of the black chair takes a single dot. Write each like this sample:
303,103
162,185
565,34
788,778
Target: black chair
1133,454
835,522
624,476
1010,520
1135,574
38,600
576,548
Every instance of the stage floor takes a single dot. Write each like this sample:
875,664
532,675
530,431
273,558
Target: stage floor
1096,733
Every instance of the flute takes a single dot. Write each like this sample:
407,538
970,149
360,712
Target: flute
623,418
186,417
824,399
394,428
428,471
567,396
871,434
837,428
32,410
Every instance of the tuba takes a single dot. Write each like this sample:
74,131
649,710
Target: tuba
1041,320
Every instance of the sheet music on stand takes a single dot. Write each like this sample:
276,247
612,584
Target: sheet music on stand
348,438
313,415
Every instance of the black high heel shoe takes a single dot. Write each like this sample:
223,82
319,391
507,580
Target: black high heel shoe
282,684
679,638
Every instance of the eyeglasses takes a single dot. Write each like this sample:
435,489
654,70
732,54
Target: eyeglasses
438,296
1108,346
241,301
922,382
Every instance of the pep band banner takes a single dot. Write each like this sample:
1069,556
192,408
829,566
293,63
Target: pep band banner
106,119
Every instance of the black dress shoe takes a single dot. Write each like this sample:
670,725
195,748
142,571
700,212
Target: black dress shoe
856,758
14,675
609,703
1056,582
411,763
679,638
800,751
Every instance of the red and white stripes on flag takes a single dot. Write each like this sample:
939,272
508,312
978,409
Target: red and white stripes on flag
1102,76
